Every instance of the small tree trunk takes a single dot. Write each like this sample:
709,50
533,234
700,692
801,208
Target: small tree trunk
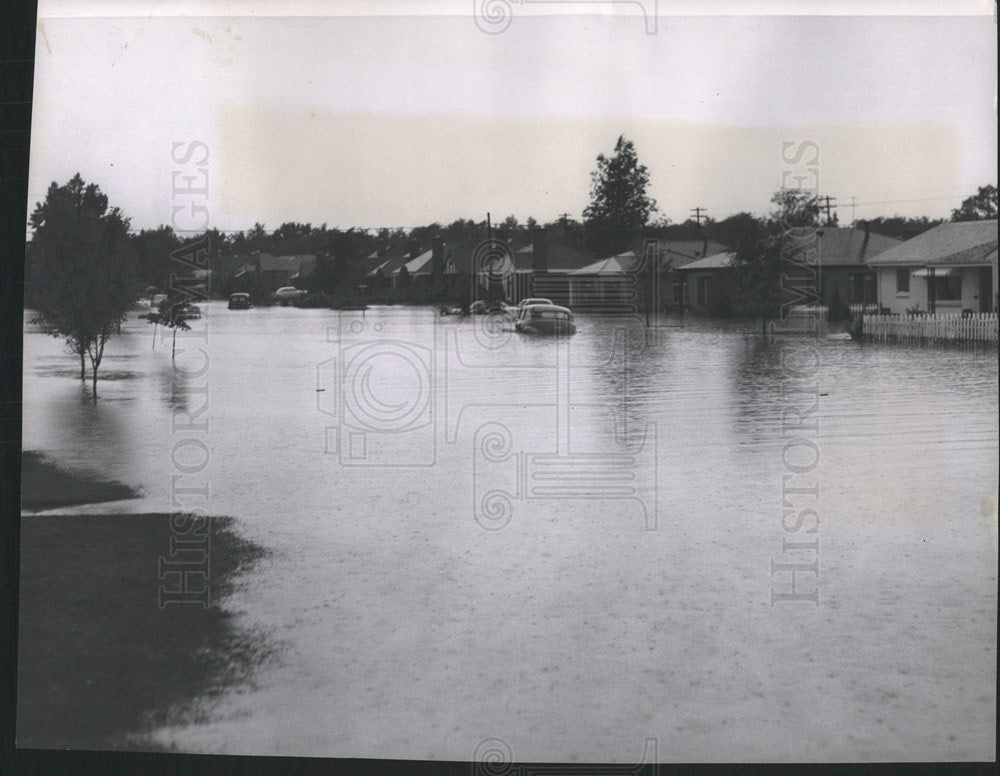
95,384
83,367
173,353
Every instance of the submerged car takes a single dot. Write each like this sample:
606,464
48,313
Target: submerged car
287,294
187,312
530,301
239,302
545,319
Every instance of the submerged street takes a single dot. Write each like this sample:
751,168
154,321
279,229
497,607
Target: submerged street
762,552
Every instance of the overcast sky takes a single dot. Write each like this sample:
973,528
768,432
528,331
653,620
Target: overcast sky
400,120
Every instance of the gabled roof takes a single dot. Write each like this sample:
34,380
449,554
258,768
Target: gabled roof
560,258
307,266
845,245
961,242
387,264
715,261
290,263
421,264
615,265
682,252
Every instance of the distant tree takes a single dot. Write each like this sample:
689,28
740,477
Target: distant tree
795,208
80,269
153,248
619,206
901,227
981,206
730,231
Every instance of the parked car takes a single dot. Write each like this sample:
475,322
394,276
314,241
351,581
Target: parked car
545,319
478,307
239,302
287,294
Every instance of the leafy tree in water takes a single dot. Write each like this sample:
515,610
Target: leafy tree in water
981,206
80,269
619,207
763,251
171,313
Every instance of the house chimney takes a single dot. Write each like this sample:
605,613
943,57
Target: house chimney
413,249
539,250
437,256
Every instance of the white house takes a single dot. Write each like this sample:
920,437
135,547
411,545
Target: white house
950,268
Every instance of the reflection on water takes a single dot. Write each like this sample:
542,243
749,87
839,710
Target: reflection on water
401,612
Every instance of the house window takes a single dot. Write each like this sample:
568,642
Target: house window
948,289
903,280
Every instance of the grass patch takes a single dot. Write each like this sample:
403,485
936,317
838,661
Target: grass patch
100,662
46,486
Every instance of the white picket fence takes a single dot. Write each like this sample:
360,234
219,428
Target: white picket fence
863,309
978,327
805,319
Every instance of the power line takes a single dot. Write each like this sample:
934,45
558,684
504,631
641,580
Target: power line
697,214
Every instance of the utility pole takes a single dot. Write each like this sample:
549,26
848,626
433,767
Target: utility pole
565,224
853,220
697,214
827,206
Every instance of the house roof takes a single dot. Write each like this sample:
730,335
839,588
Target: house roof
615,265
720,260
307,266
837,246
682,252
387,264
420,264
289,263
561,257
961,242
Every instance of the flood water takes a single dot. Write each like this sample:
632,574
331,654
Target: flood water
550,550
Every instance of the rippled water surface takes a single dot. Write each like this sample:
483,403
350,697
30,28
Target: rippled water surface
565,548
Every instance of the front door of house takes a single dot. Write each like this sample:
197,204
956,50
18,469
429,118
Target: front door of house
986,289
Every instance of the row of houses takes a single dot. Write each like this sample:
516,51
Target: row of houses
544,265
952,267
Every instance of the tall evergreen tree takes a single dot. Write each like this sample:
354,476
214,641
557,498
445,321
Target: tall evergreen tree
619,206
